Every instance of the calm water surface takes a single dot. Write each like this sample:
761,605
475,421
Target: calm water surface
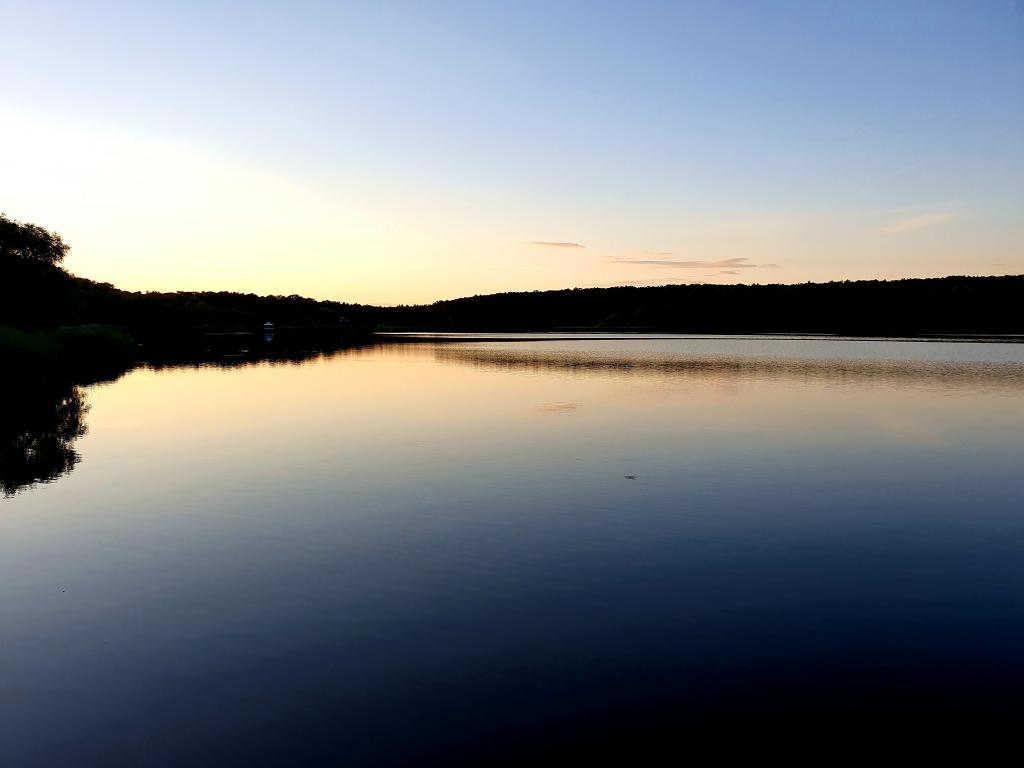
421,553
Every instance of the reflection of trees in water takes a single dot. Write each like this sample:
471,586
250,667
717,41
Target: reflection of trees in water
38,428
40,422
974,375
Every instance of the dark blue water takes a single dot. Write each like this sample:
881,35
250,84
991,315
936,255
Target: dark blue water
524,552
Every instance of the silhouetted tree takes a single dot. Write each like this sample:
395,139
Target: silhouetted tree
30,242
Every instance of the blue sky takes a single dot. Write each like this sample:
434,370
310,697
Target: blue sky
397,152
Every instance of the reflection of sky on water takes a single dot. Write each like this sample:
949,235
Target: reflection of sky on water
437,548
927,364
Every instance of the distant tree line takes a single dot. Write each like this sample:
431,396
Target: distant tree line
969,305
37,293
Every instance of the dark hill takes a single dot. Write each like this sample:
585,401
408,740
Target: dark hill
947,305
36,293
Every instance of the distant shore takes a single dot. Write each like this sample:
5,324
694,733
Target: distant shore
612,335
81,354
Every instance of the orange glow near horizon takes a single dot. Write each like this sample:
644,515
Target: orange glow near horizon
148,214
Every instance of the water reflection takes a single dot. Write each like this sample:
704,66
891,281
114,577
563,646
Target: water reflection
990,375
39,425
41,419
38,428
415,553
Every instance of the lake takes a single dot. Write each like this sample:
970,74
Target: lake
516,549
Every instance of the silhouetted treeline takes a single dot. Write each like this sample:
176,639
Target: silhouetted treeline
42,296
36,293
947,305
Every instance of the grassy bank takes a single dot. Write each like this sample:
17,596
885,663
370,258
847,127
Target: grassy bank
83,351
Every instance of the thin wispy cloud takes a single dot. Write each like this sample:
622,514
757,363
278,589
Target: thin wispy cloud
915,223
738,262
556,244
556,407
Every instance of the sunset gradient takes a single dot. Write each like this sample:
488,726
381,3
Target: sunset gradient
406,152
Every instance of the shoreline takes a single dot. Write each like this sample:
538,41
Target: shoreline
622,335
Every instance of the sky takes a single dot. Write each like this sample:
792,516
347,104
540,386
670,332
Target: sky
404,152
